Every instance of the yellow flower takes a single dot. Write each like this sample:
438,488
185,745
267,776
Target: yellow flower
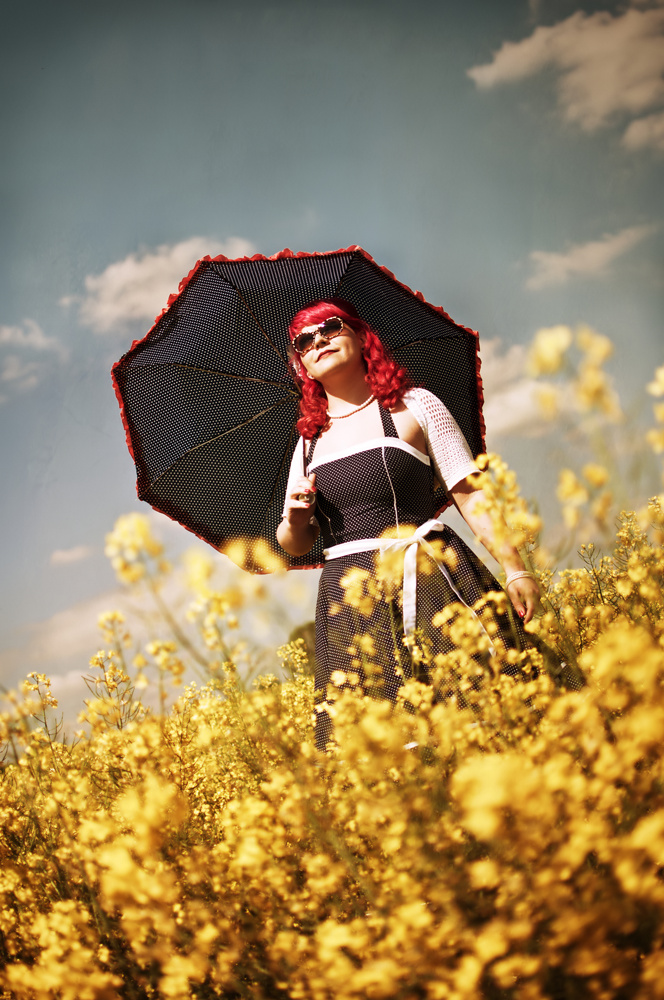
601,507
109,618
596,475
570,489
595,346
359,590
548,398
198,568
656,387
366,644
264,557
594,391
655,439
547,352
131,546
237,552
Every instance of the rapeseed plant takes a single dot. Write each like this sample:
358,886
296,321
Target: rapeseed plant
504,840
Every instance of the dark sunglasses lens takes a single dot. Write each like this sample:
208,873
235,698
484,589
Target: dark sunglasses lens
328,328
303,342
332,325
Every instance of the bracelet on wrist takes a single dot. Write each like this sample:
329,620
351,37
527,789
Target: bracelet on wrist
520,574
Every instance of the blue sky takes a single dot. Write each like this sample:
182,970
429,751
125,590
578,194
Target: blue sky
504,158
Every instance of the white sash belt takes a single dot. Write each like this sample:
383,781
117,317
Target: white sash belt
410,545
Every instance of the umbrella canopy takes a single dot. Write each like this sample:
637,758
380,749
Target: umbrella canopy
210,405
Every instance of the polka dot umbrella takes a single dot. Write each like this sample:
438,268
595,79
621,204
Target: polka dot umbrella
209,403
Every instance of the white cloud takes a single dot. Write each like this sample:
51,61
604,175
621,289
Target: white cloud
510,398
644,132
515,410
591,259
137,288
63,557
22,357
71,634
30,336
606,67
499,369
18,374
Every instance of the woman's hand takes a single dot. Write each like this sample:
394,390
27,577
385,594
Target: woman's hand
524,594
524,591
301,501
296,534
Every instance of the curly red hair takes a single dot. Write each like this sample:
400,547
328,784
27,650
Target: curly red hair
387,380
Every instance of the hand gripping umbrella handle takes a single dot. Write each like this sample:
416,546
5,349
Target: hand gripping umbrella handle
308,496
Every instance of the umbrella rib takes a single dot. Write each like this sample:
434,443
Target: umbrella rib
217,437
274,488
211,371
427,340
253,316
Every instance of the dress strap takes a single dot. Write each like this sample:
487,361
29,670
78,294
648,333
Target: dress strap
389,429
310,453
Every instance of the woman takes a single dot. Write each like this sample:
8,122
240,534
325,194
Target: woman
374,447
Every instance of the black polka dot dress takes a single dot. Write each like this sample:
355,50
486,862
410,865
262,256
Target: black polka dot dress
360,495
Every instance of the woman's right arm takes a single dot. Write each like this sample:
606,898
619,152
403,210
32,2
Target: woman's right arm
296,534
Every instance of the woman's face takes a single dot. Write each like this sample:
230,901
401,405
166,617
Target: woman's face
330,355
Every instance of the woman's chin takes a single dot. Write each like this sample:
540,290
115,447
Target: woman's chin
336,362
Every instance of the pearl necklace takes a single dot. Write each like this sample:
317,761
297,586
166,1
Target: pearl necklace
362,406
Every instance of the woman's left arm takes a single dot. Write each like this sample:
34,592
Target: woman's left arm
523,591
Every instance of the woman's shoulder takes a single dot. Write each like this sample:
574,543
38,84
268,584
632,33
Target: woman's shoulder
422,396
424,404
432,414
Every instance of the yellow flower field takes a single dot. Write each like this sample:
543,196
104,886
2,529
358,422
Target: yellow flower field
504,842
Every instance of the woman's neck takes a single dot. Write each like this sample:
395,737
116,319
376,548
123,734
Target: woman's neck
346,392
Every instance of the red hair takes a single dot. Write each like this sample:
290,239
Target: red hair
387,380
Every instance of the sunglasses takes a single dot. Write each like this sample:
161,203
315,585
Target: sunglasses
328,329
